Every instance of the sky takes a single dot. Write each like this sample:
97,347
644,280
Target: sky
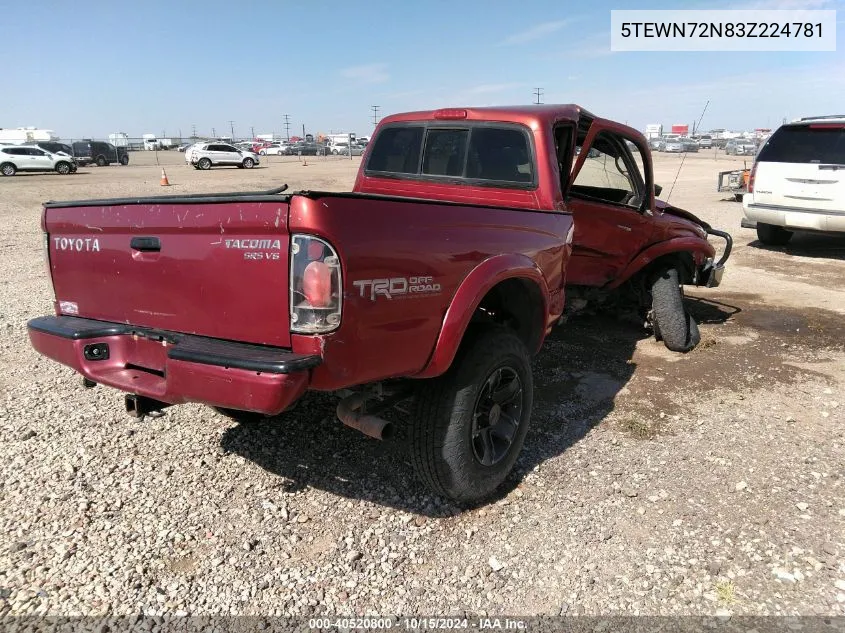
98,67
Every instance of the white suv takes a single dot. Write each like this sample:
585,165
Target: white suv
206,155
798,181
15,158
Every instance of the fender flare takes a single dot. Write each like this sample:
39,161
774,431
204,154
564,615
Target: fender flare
689,245
468,297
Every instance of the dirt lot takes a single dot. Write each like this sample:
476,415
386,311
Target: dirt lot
651,483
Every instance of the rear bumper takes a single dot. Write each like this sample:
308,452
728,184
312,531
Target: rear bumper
793,218
173,367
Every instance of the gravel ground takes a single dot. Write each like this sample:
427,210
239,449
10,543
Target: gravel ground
651,483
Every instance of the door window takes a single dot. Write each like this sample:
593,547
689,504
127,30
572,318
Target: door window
609,173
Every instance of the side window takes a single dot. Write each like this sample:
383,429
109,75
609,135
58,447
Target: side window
14,151
445,151
397,149
500,154
227,148
609,173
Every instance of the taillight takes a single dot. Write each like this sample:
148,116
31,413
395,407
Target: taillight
315,285
751,178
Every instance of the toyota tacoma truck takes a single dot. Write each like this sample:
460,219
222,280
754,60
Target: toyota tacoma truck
434,281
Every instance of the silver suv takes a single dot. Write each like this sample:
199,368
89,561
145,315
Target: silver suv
207,155
15,158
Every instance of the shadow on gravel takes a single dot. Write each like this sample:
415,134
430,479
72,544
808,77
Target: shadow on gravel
710,311
815,245
577,376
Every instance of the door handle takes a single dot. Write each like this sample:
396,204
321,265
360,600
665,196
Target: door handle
145,244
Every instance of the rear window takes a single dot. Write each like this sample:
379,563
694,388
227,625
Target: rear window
805,144
500,154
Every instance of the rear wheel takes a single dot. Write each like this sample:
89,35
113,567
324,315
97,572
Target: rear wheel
124,160
8,169
673,324
63,168
773,235
101,161
204,163
469,424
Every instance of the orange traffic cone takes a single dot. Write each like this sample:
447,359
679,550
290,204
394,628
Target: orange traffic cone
164,181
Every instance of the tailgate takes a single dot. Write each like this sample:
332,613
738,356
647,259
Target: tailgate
214,268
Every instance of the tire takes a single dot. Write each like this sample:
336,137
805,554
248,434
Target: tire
204,163
262,153
772,235
248,163
673,324
124,160
8,169
101,161
454,412
334,151
63,168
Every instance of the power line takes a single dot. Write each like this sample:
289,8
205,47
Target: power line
538,92
287,126
375,110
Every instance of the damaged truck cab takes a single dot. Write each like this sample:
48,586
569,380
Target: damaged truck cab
434,281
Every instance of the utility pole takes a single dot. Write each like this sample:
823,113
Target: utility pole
287,126
538,92
193,130
375,114
252,131
232,128
214,133
303,131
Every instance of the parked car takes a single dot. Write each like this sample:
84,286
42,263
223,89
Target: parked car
656,144
306,148
338,148
705,141
690,145
674,145
357,150
184,146
740,147
252,299
274,149
208,155
15,158
797,182
99,153
54,147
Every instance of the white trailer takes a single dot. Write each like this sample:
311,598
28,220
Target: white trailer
119,139
18,135
653,130
151,142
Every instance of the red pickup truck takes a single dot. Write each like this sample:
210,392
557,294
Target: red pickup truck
434,281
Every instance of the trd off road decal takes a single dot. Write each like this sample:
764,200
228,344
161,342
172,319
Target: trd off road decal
396,287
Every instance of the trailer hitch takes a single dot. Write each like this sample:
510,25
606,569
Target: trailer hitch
141,406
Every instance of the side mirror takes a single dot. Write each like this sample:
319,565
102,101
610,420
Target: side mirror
657,190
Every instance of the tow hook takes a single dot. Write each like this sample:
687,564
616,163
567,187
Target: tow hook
141,406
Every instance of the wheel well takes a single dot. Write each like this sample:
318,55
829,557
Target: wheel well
681,260
518,305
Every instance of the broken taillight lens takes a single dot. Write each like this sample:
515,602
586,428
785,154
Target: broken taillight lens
315,285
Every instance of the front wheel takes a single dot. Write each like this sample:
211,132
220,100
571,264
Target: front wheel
124,160
248,163
672,323
469,424
8,169
101,161
63,168
773,235
204,163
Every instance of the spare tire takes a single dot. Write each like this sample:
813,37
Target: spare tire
673,323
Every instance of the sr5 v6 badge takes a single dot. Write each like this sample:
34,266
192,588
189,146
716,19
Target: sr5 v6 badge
396,287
